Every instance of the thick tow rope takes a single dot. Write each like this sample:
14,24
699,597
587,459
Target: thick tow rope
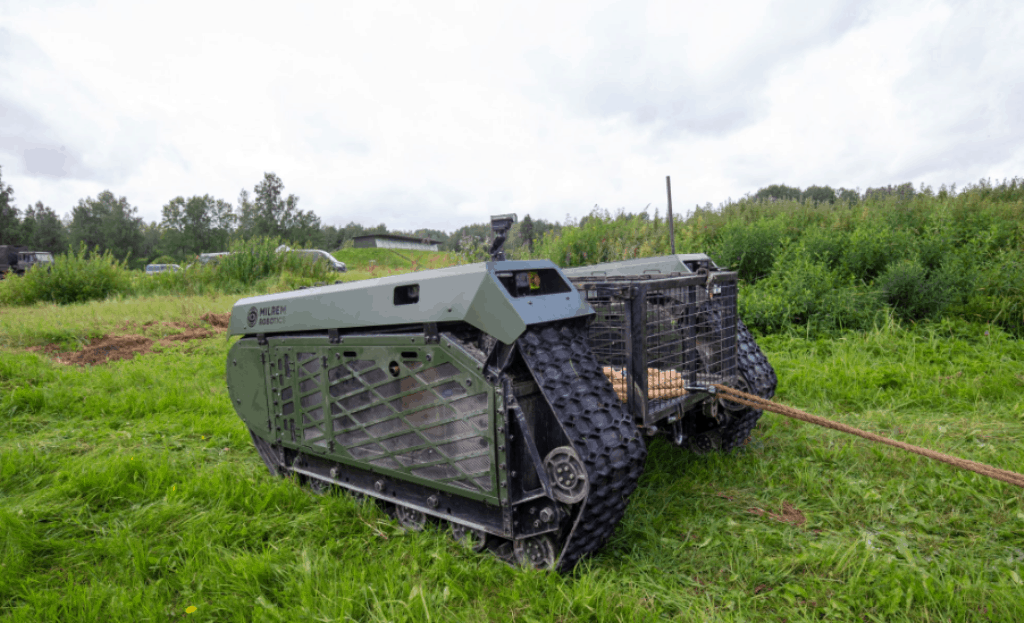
756,402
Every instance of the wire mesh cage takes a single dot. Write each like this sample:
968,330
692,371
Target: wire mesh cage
658,335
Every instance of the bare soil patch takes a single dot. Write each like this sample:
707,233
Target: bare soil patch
221,321
108,348
119,347
191,334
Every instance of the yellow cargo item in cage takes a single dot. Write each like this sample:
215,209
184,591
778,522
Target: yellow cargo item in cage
661,384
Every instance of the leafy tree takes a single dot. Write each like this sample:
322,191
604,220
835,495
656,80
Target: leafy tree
526,231
196,225
107,222
902,192
847,196
271,214
152,236
818,194
9,224
43,230
777,192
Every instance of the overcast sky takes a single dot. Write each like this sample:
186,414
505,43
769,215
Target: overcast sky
438,114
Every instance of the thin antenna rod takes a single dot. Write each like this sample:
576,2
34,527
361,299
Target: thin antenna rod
671,221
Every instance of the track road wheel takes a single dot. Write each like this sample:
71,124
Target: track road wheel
567,474
409,518
472,538
537,552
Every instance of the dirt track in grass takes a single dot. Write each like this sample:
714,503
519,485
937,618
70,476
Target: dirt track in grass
118,347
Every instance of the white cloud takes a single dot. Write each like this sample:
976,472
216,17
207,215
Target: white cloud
439,114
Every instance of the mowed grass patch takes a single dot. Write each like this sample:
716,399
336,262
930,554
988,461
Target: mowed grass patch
131,491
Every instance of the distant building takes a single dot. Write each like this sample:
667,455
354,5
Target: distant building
394,241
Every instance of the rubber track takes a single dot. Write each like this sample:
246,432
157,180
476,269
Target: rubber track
760,376
603,434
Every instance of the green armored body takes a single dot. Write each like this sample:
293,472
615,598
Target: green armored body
465,394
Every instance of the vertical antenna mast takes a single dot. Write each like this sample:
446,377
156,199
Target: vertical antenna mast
671,221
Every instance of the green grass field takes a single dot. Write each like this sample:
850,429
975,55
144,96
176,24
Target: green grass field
131,492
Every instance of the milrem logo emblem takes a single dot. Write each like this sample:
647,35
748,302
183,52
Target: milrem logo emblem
273,314
251,317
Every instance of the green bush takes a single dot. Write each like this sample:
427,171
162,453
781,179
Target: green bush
74,277
825,244
913,294
163,259
750,248
803,291
873,246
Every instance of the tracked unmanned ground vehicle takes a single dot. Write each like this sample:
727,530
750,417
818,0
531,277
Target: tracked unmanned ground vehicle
469,395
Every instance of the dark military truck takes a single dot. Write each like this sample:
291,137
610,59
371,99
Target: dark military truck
18,259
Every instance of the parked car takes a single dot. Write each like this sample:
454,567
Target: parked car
152,269
325,256
206,258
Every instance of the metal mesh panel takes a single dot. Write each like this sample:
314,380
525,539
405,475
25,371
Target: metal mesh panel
414,401
607,334
437,472
352,438
416,418
448,431
463,447
309,384
398,386
388,427
361,364
438,373
311,400
475,465
346,387
373,414
450,390
661,334
374,376
470,404
402,442
367,451
356,401
433,415
387,462
339,372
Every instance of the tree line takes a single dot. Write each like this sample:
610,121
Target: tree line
200,224
188,225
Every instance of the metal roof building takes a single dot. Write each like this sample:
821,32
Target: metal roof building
395,241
